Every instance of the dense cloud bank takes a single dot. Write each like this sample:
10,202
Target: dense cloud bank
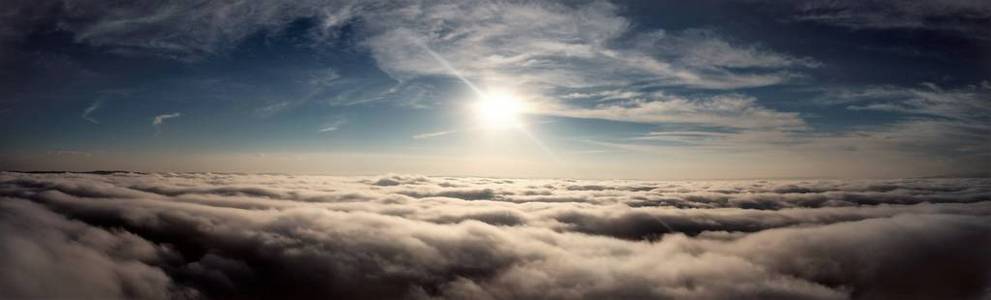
223,236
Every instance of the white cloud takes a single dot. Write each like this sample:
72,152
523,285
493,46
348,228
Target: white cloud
705,49
159,120
206,235
333,126
935,121
546,50
682,136
961,104
185,30
549,45
89,110
732,111
433,134
964,17
537,45
272,109
942,129
557,55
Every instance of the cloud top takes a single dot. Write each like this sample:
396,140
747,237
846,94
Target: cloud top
201,235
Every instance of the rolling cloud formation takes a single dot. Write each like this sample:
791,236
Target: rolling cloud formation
223,236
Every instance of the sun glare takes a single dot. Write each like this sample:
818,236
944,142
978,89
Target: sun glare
499,111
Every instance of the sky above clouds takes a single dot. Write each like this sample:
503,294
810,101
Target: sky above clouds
611,89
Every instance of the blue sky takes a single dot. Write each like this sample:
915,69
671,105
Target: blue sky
624,89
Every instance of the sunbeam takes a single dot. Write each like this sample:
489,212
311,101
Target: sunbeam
495,109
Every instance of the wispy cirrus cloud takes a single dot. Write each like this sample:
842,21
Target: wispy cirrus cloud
544,49
729,111
89,110
429,135
332,126
933,119
966,18
706,49
159,120
961,104
683,86
184,30
552,44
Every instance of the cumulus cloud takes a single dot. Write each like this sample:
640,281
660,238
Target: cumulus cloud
46,255
201,235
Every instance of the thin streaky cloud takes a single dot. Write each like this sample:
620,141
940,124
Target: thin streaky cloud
433,134
159,120
332,126
90,109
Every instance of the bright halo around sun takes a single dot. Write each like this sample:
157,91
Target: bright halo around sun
500,111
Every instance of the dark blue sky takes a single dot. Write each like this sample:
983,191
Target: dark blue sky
642,89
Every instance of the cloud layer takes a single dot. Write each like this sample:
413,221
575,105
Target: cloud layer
124,235
965,17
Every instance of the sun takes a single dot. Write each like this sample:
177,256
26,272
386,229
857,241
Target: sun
499,111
